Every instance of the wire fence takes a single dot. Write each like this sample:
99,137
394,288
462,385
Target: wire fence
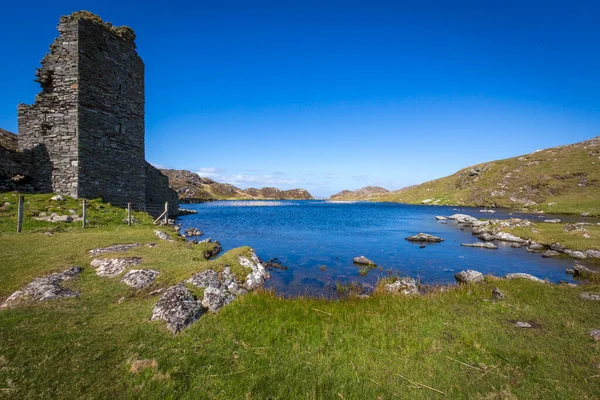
160,213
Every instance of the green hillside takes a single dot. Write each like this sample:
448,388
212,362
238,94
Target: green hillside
564,179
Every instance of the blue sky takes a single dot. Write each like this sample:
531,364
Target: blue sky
339,95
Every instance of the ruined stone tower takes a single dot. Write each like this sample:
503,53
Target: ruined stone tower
86,127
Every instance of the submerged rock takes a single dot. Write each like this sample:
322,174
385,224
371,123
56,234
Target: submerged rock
41,289
111,267
178,308
483,245
424,237
469,276
140,278
520,275
113,249
362,260
405,285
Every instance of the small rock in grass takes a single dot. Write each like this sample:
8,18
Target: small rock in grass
111,267
520,324
139,278
162,235
362,260
405,285
469,276
520,275
585,296
595,334
497,294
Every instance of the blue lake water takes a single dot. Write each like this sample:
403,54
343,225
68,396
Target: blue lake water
317,241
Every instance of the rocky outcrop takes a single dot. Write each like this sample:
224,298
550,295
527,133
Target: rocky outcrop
481,245
214,251
520,275
112,267
469,276
178,308
405,285
424,237
140,278
115,248
41,289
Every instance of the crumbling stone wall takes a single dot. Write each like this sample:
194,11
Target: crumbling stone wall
15,166
158,191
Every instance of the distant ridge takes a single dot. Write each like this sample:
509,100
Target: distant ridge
192,188
366,193
559,179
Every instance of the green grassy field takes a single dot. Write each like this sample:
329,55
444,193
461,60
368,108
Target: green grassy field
453,344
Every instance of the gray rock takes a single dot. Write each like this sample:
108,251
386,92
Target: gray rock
552,221
508,237
111,267
162,235
497,294
463,218
593,253
570,271
469,276
113,249
576,254
520,324
557,247
482,245
58,197
595,334
516,245
178,308
215,298
362,260
424,237
585,296
583,270
536,246
585,214
574,227
41,289
486,236
140,278
214,251
550,253
205,279
193,232
258,274
209,240
48,234
405,285
520,275
440,218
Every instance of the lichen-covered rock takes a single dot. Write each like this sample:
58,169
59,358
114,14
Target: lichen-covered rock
585,296
362,260
520,275
486,236
482,245
258,273
205,279
508,237
162,235
469,276
405,285
593,253
215,298
595,334
41,289
424,237
111,267
113,249
178,308
576,253
140,278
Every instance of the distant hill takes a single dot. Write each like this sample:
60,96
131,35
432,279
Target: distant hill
192,188
559,179
8,140
366,193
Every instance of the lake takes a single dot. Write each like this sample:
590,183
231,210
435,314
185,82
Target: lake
317,241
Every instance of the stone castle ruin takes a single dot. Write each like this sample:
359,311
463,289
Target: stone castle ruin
84,134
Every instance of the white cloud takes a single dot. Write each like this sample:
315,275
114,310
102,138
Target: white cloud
159,166
209,172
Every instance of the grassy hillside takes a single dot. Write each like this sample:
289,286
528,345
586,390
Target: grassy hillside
564,179
193,188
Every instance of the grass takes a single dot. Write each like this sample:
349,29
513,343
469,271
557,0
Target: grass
559,180
458,342
546,234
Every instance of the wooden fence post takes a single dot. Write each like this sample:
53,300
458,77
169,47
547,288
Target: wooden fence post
129,214
166,212
84,214
20,214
